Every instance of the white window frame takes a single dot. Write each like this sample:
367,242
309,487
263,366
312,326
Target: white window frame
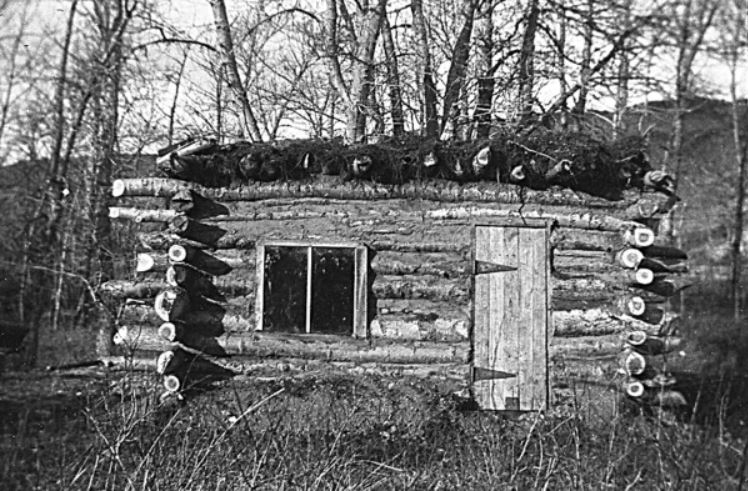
360,281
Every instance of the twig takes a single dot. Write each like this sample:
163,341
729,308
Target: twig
528,149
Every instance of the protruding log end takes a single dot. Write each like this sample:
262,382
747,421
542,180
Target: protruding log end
114,212
640,237
636,306
118,188
171,304
144,262
634,389
629,258
183,200
670,398
121,336
517,174
168,331
644,276
562,167
172,383
179,224
163,362
481,160
177,253
652,345
635,364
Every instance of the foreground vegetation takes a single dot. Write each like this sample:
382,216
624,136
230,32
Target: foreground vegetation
337,431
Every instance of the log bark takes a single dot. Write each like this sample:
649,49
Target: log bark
415,327
419,287
307,346
593,322
436,264
436,190
138,215
144,289
586,347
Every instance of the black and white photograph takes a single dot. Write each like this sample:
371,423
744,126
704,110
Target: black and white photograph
373,245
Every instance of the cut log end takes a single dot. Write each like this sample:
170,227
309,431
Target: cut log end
144,262
118,188
177,253
630,258
636,338
114,212
171,276
163,361
172,383
636,306
644,276
640,237
168,331
634,389
635,364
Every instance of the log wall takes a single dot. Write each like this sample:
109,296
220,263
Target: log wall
420,268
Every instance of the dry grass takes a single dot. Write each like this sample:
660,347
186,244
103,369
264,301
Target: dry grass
336,431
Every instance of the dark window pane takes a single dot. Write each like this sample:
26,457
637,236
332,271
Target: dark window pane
332,290
284,298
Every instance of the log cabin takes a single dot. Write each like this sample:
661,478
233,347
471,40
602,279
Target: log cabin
517,289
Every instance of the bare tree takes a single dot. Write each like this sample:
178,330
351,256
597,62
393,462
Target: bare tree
457,70
485,50
735,39
393,79
427,87
526,76
233,78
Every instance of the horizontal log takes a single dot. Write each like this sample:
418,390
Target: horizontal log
648,344
225,287
666,398
147,262
583,221
586,347
139,215
427,263
414,327
429,190
594,322
421,287
331,348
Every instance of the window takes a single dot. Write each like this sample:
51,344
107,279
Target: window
312,288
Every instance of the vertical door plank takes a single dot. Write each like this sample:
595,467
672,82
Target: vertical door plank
525,329
360,305
481,316
260,287
510,336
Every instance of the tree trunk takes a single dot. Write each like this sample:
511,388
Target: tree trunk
393,79
228,54
585,67
561,60
427,89
486,83
57,185
526,78
177,85
363,75
457,70
741,149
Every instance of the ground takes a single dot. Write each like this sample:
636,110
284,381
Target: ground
89,429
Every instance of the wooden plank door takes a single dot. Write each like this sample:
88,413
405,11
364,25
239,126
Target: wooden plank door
510,332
